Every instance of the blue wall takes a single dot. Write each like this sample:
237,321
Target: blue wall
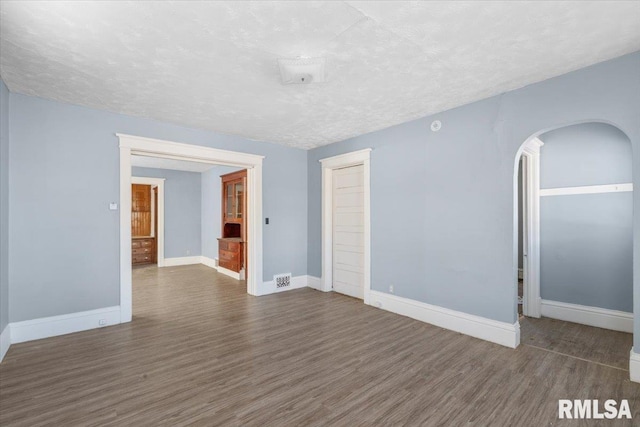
182,197
443,224
586,241
212,209
4,206
585,154
65,171
443,219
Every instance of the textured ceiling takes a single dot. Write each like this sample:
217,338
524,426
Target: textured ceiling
213,65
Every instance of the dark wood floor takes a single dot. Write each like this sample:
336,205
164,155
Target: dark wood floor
201,352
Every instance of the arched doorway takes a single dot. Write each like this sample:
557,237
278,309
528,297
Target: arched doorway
574,230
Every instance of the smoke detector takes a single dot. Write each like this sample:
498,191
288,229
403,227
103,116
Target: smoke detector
301,70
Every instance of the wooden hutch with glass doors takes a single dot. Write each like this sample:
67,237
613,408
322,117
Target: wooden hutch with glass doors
231,246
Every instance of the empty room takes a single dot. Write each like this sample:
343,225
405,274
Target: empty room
327,213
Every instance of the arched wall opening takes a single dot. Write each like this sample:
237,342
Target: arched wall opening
578,225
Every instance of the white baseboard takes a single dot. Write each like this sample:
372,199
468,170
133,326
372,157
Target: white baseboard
316,283
230,273
5,341
297,282
46,327
592,316
634,366
502,333
209,262
186,260
213,263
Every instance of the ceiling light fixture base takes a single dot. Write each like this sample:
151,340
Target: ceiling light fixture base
302,70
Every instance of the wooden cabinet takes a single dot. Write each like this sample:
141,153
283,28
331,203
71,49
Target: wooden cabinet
143,250
231,246
140,210
143,244
231,253
233,185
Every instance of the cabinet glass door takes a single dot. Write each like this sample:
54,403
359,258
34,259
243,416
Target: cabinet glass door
229,203
239,194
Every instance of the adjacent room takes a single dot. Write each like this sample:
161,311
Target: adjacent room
319,213
186,219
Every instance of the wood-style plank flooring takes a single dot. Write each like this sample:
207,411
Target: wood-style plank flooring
200,351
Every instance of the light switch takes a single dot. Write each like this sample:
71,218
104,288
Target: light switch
113,206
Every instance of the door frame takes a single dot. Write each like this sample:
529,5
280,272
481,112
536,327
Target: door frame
354,158
157,182
137,145
530,154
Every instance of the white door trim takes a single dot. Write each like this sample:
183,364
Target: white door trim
530,152
361,157
159,182
130,144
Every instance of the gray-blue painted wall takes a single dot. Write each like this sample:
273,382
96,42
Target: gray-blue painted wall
212,209
65,171
443,219
586,241
4,206
182,210
443,224
586,250
585,154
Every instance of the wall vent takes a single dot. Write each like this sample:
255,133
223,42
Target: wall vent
282,280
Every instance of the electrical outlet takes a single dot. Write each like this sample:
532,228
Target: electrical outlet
102,322
188,252
391,288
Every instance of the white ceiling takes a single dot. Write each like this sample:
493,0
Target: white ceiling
172,164
213,65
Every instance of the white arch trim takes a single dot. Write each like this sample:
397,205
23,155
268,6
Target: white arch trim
530,153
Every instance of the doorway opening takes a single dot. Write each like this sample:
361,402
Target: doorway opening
153,148
574,242
147,221
527,186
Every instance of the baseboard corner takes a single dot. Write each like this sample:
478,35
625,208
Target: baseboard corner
315,283
5,341
209,262
634,366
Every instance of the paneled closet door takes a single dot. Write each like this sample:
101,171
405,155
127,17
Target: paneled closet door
348,231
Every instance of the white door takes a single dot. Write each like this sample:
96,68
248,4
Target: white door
348,231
